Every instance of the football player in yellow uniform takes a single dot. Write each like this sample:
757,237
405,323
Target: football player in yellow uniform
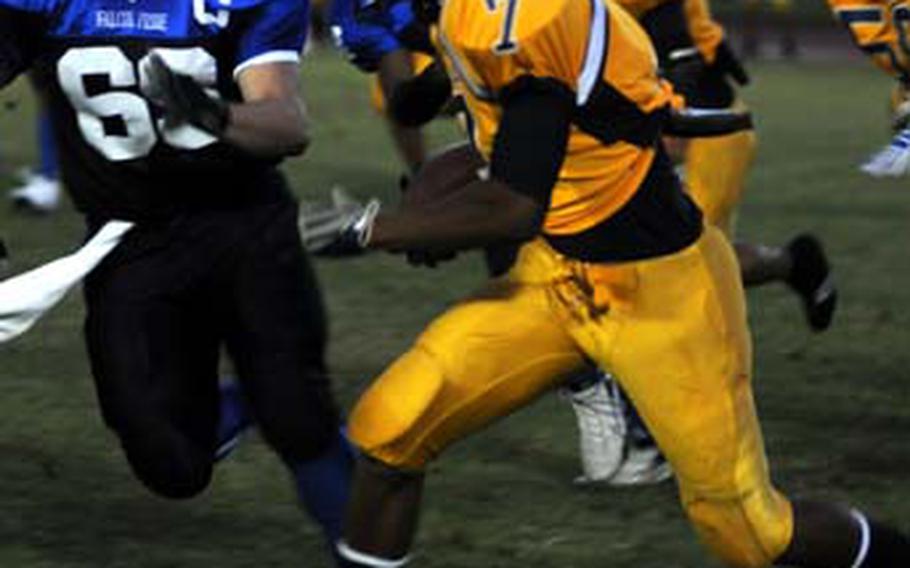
695,57
880,28
616,267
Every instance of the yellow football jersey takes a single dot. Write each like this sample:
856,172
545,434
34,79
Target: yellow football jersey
880,28
593,49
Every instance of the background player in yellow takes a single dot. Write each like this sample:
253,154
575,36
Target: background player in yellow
880,29
697,60
700,64
616,267
758,16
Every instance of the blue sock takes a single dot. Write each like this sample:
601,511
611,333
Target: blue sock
234,417
323,487
47,148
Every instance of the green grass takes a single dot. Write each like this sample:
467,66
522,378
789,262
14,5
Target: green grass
834,407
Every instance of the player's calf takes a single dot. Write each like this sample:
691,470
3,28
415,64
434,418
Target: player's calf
381,492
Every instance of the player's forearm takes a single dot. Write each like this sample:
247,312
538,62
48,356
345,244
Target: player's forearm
483,213
271,128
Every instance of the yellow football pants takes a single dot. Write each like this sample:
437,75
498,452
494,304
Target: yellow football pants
673,330
716,170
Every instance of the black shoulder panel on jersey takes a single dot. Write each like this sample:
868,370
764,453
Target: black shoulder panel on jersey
611,117
20,33
660,219
533,135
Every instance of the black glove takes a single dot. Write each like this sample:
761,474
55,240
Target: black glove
728,63
427,259
183,100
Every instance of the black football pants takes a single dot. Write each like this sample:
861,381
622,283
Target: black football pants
161,307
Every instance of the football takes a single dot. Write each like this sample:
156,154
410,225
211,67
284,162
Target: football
442,174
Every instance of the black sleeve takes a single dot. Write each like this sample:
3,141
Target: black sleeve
418,100
20,33
533,135
669,32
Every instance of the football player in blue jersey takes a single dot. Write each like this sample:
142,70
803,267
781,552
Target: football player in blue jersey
173,116
374,37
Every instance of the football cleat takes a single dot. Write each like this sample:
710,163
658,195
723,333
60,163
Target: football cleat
811,278
642,465
38,194
891,161
600,415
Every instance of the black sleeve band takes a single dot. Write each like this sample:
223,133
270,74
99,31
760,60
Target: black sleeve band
19,36
706,125
418,100
533,134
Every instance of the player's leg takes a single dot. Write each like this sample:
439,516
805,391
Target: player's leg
276,337
154,357
482,360
685,360
716,170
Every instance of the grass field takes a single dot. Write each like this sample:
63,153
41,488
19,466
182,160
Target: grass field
834,407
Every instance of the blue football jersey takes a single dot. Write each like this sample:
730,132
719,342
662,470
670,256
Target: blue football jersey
119,157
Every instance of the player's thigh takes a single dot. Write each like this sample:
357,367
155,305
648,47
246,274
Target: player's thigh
276,337
153,348
684,357
716,170
483,359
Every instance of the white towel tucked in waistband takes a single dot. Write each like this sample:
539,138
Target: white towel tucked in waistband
27,297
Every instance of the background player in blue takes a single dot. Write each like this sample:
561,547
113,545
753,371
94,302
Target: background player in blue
40,189
378,37
174,115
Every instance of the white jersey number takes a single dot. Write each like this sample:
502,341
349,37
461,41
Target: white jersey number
117,121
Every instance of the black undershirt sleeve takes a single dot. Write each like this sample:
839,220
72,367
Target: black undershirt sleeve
533,136
418,100
20,33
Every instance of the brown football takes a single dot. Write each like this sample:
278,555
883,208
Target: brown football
444,173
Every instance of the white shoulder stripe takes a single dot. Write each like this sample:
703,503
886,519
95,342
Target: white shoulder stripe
597,51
